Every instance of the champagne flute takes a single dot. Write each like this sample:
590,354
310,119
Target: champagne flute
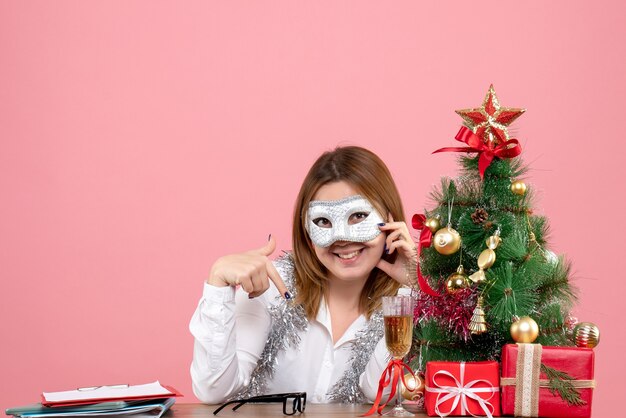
398,317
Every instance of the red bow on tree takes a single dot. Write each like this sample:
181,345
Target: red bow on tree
426,236
486,151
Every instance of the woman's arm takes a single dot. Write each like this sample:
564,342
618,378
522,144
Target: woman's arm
230,336
369,379
230,331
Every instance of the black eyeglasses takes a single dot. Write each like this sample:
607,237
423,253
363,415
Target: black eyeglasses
295,401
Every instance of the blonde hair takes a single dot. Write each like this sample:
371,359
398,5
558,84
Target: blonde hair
367,173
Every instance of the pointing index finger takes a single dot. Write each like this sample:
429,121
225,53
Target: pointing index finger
277,280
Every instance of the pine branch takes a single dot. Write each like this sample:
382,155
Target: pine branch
556,285
559,340
438,343
508,292
550,319
540,228
561,383
493,195
514,245
507,168
444,193
474,235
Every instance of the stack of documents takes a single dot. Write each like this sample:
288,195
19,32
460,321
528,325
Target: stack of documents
141,401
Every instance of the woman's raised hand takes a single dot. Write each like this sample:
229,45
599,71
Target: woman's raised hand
399,239
252,270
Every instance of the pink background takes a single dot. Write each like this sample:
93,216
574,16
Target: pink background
142,140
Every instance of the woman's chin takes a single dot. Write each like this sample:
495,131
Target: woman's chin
350,264
352,271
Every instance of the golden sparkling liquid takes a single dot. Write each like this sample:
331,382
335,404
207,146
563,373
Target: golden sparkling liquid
398,334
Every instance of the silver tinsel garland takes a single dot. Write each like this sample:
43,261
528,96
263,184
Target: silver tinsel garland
347,389
288,321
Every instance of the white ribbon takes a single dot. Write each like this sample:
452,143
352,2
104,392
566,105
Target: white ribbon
461,392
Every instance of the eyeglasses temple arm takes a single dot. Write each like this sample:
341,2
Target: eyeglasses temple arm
268,399
224,405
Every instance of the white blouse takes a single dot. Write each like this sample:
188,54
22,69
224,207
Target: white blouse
230,332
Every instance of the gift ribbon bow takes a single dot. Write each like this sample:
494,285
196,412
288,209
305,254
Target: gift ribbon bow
426,237
486,151
392,374
461,392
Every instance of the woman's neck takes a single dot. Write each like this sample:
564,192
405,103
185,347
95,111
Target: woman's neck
346,294
343,299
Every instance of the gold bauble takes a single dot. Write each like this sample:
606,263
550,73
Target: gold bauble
447,241
586,334
524,330
457,281
416,386
518,187
433,224
486,259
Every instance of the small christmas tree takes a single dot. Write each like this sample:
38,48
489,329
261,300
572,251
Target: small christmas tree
485,272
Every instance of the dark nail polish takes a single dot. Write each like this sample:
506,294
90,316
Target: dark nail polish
381,224
287,295
385,249
250,296
269,237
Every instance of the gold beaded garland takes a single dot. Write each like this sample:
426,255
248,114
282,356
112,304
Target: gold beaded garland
479,276
493,241
487,257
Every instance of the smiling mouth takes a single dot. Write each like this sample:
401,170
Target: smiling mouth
349,256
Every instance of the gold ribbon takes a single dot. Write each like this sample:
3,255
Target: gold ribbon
527,381
544,383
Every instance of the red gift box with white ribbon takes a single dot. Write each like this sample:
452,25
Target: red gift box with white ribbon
526,388
462,389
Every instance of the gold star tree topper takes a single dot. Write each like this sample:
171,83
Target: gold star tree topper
490,121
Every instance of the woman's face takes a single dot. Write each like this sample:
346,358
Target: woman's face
346,260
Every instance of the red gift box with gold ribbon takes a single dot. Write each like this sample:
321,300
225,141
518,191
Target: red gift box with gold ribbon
462,389
526,385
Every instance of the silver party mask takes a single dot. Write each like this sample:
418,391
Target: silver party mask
338,212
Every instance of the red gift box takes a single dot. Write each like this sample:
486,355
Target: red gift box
462,388
525,391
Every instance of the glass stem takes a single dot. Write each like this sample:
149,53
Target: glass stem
399,395
399,398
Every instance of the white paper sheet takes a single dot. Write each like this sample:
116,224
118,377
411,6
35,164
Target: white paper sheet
107,392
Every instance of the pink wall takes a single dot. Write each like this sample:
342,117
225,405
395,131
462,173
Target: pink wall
142,140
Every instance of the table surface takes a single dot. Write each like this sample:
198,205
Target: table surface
195,410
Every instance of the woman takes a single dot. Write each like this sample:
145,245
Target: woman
310,320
